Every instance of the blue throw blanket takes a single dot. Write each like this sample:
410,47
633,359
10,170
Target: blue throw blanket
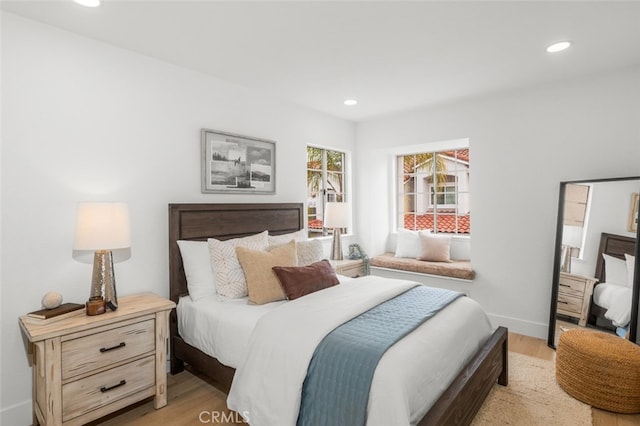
336,388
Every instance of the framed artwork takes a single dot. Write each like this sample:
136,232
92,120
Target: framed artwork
237,164
633,213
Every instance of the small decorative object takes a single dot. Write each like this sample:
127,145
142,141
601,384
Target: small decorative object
633,213
336,217
95,306
102,227
45,316
51,300
235,163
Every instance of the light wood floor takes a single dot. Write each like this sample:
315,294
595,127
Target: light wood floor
194,401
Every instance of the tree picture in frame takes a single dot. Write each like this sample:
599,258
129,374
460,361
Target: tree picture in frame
633,213
237,164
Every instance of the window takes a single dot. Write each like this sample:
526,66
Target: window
326,182
433,191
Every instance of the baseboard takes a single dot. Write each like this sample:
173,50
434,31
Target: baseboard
516,325
17,414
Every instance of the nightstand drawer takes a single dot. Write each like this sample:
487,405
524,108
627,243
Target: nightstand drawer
90,393
354,271
569,304
103,348
572,286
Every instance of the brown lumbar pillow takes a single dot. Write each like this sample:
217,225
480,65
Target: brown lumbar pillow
302,280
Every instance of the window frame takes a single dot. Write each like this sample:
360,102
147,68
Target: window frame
328,195
397,183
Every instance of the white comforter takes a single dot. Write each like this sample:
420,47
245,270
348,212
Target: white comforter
616,299
410,377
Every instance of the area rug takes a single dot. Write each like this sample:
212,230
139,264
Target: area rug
532,398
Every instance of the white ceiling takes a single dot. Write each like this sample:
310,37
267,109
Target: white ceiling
391,56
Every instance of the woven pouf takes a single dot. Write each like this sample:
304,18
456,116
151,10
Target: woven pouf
599,369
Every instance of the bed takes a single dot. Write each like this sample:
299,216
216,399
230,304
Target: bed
611,299
457,404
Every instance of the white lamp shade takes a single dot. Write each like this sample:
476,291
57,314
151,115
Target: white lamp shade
102,226
336,215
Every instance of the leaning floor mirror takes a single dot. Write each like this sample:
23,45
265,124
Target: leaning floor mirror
596,283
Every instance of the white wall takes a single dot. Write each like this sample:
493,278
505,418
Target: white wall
85,121
522,144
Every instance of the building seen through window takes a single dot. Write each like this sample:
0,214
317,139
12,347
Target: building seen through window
326,182
433,191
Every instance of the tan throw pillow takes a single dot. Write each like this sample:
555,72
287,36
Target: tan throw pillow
435,247
230,281
302,280
262,284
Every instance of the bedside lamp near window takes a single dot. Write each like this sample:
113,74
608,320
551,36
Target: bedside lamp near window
336,217
102,227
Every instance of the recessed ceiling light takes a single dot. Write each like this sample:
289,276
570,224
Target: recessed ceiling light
350,102
559,46
88,3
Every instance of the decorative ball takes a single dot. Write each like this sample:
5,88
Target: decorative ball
51,300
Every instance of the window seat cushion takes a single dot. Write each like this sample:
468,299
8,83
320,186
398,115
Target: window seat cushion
456,269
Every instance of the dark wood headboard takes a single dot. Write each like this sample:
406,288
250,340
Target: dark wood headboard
199,222
613,245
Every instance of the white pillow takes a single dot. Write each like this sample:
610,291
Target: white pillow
309,252
280,240
435,247
631,264
615,270
408,243
230,280
197,268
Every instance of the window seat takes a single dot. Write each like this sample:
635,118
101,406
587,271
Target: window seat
460,269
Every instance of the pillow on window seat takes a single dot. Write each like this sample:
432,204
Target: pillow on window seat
408,243
435,247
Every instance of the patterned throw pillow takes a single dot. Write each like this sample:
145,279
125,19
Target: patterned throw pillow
230,280
309,252
280,240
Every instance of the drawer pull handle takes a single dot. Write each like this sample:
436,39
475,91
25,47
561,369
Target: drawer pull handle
107,389
565,285
121,345
562,301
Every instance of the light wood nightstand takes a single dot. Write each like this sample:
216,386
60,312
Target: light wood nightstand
350,267
85,367
574,296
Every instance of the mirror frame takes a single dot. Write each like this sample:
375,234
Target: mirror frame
634,324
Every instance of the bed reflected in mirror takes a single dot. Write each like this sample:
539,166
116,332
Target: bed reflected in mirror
594,280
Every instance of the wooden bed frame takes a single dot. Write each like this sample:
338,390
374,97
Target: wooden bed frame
457,405
616,246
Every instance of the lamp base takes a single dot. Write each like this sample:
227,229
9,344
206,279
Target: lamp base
336,247
103,281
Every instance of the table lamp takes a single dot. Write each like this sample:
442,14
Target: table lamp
336,217
102,227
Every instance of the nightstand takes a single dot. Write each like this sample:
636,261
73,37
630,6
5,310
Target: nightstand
574,296
350,267
85,367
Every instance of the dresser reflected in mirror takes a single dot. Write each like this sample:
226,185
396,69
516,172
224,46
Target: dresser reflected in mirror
594,281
